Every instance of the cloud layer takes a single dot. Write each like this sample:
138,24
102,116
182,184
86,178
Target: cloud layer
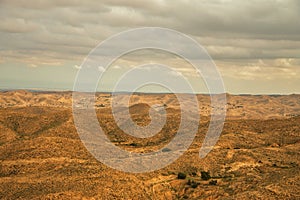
247,39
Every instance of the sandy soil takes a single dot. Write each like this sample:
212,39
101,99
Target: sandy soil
42,157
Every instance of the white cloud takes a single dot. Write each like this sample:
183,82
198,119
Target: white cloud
175,73
77,67
284,62
101,69
116,67
32,65
261,69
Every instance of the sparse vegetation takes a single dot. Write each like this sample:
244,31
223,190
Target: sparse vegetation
133,144
166,150
193,183
205,175
213,182
181,175
42,156
194,174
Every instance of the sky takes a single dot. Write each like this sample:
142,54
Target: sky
255,44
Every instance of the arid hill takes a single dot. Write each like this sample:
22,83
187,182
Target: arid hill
238,106
256,157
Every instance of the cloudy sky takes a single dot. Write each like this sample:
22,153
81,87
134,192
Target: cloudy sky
255,43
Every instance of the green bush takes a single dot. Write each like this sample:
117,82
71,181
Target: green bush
213,182
192,183
166,150
133,144
194,173
181,175
205,175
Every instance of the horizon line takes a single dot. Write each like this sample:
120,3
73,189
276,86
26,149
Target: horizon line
37,90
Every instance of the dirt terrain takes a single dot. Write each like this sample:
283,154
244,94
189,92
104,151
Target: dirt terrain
42,157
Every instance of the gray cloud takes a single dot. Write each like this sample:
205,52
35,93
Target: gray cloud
53,32
227,28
